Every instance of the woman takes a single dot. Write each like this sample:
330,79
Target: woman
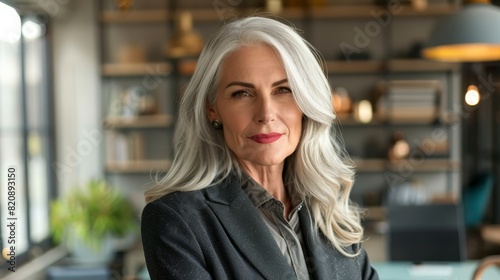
259,186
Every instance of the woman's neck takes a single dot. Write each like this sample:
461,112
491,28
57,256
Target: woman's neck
271,179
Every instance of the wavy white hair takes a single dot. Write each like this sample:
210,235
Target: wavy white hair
319,169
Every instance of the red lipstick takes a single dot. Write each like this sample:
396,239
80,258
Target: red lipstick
266,138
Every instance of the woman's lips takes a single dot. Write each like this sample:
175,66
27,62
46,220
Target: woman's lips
266,138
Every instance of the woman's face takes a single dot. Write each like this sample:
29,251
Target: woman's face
261,122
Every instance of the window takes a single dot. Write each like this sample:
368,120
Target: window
26,137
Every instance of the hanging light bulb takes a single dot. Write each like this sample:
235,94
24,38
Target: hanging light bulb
32,29
472,96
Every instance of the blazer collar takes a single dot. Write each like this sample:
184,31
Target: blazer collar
244,225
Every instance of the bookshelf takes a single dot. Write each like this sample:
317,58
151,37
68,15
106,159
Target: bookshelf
138,95
325,27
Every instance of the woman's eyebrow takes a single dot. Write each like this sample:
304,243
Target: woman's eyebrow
237,83
250,85
279,82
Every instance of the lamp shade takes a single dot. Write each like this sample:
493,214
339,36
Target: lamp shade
472,34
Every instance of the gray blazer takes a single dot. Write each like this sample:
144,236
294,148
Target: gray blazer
217,233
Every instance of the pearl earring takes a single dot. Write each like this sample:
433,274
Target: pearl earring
216,124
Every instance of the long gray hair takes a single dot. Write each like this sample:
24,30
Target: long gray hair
319,169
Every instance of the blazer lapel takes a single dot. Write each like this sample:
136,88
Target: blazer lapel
247,229
320,256
324,260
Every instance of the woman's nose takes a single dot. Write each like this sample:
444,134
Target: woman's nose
265,110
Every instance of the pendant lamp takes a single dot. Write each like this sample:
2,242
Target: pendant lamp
470,35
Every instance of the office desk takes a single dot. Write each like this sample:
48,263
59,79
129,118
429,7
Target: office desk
433,271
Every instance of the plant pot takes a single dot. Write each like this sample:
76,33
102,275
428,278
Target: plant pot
84,254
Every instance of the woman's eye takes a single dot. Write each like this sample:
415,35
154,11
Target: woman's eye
283,90
240,93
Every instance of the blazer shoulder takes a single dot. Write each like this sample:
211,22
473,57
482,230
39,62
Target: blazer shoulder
223,193
178,202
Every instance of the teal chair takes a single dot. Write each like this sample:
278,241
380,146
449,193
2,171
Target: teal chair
475,199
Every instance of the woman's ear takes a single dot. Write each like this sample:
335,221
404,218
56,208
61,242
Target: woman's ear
211,113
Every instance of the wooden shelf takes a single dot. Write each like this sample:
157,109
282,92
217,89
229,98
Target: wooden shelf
441,9
444,118
153,121
157,16
143,166
136,69
367,11
420,65
294,13
393,65
421,165
349,121
134,16
355,66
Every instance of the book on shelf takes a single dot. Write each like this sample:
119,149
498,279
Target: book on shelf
409,101
124,147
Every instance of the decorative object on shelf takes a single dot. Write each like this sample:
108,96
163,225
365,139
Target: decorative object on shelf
185,41
399,148
412,101
124,5
341,101
187,66
131,102
419,5
274,6
146,104
363,111
131,53
89,218
471,34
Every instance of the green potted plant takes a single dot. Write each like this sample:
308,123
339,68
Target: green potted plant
88,218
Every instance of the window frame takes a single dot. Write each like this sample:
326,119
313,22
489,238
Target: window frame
47,130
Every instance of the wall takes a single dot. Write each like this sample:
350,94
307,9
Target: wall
76,92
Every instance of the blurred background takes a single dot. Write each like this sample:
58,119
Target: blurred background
88,100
